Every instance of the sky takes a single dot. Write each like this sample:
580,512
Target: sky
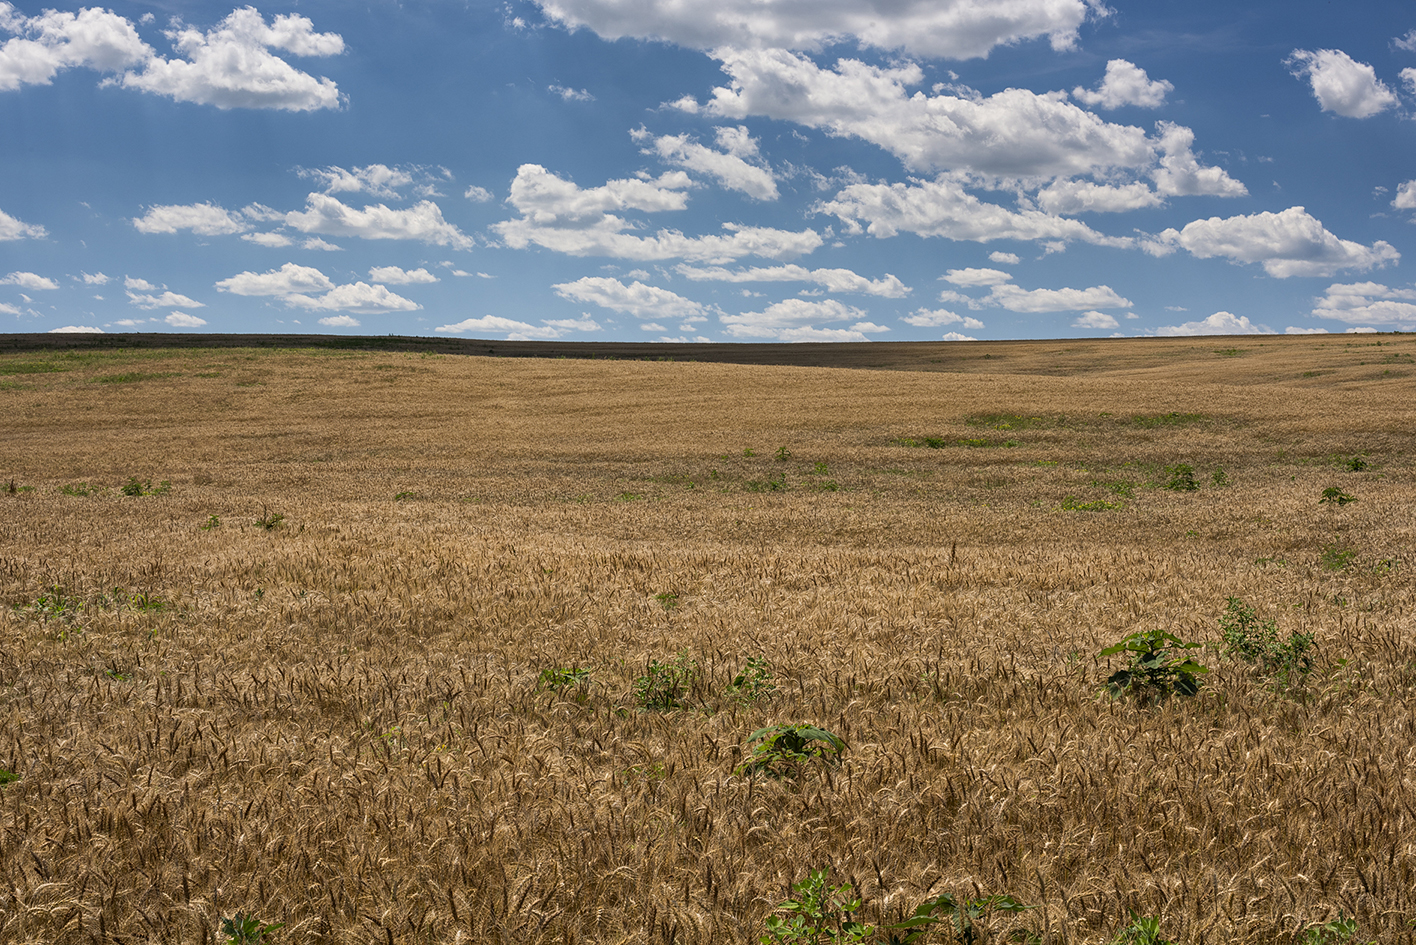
724,171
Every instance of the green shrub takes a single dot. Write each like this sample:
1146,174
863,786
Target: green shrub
1156,671
817,913
753,682
139,487
1143,930
1335,496
1257,642
665,686
784,750
1339,931
1181,478
247,930
965,915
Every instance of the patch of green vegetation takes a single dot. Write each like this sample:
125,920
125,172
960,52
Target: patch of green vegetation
1333,495
1180,477
1072,504
13,488
78,489
31,367
1229,352
784,750
1336,558
133,377
1157,669
1013,421
140,487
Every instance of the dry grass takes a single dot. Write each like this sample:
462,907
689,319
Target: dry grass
337,724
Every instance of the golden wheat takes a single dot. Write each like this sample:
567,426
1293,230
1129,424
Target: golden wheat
337,723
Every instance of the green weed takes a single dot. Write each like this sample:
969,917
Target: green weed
1335,496
1336,558
133,377
1181,478
140,487
667,600
817,913
665,686
782,455
211,522
247,930
1256,641
1356,464
1339,931
405,496
965,915
777,483
7,777
1156,671
753,682
1143,930
1072,504
784,750
269,520
558,678
77,489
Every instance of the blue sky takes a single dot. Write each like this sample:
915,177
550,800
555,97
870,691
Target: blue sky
734,170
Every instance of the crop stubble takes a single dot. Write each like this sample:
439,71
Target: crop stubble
336,724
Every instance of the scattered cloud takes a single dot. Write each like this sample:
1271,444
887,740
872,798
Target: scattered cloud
322,246
165,300
1405,196
1341,84
1096,320
637,299
1081,196
203,219
1292,330
558,215
1220,323
273,240
1004,259
340,321
1369,303
512,329
571,95
832,280
738,166
796,320
1125,83
954,29
232,66
377,180
976,277
478,194
1180,174
1290,243
30,280
76,329
392,275
423,221
54,41
183,320
140,285
13,229
1017,299
308,288
927,318
956,336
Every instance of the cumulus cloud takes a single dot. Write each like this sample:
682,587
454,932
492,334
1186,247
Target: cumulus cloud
75,330
956,336
273,240
942,207
1292,330
1220,323
1405,196
796,320
571,95
637,299
29,280
1096,320
13,229
1125,83
232,65
933,318
832,280
165,300
1341,84
378,180
478,194
340,321
976,277
1081,196
737,166
512,329
1290,243
393,275
423,221
1017,299
183,320
1179,173
139,285
1004,259
46,44
93,278
559,215
1369,303
954,29
322,246
203,219
308,288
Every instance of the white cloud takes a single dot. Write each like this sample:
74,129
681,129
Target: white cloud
319,245
1290,243
943,208
340,321
1017,299
1292,330
1220,323
1004,259
796,320
165,300
956,336
955,29
392,275
1079,196
976,277
1405,196
54,41
478,194
571,95
1408,75
75,330
310,289
1407,42
1125,83
1096,320
378,180
8,309
514,330
183,320
584,323
130,322
422,221
232,66
933,318
13,229
1368,302
140,285
832,280
732,166
1341,84
543,198
29,280
273,240
94,278
637,299
1014,133
652,326
203,219
1180,173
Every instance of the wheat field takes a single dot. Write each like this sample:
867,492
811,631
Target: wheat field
310,672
